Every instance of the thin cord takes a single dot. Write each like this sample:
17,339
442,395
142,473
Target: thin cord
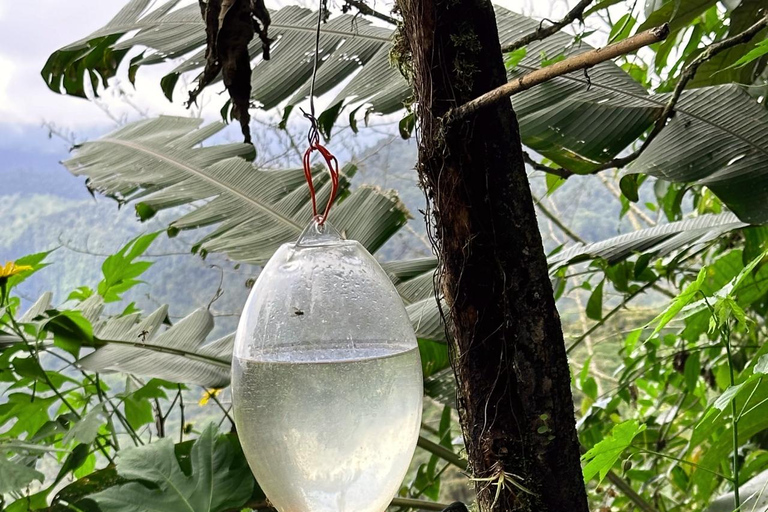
313,138
317,57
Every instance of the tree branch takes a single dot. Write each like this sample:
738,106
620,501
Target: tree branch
442,452
544,32
630,493
559,171
367,11
569,65
556,221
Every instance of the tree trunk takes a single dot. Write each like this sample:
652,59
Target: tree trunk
514,394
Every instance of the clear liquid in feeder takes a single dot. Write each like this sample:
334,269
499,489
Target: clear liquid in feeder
326,378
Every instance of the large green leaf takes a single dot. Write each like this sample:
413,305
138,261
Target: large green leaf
718,138
79,68
601,457
140,346
677,13
348,43
157,164
218,478
659,240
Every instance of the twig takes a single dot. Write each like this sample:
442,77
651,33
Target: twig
159,419
630,493
544,32
557,222
368,11
632,206
569,65
181,410
562,173
442,452
682,461
221,406
608,315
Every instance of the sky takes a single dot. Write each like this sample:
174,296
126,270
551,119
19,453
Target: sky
29,33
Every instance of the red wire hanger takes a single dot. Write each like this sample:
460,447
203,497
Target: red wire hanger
313,137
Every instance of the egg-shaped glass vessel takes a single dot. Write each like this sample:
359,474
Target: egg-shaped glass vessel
326,378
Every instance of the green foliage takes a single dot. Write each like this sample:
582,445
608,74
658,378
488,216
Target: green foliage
120,270
677,13
95,380
601,457
217,478
754,54
512,59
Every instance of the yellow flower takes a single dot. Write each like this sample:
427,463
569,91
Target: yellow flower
208,394
11,269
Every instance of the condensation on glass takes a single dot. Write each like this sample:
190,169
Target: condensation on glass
326,378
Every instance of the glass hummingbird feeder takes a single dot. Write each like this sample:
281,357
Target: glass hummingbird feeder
326,376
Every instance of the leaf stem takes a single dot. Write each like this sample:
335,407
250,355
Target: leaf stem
682,461
749,398
725,338
442,452
726,333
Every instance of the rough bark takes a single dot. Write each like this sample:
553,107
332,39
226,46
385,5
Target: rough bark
512,372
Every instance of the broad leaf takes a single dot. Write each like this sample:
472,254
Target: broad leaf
595,303
87,428
601,457
708,142
157,164
15,476
121,271
677,13
218,479
678,303
577,121
178,354
659,240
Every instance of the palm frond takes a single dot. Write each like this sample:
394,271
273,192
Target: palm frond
158,165
140,346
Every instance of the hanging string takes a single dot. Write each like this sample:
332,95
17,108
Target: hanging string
313,139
